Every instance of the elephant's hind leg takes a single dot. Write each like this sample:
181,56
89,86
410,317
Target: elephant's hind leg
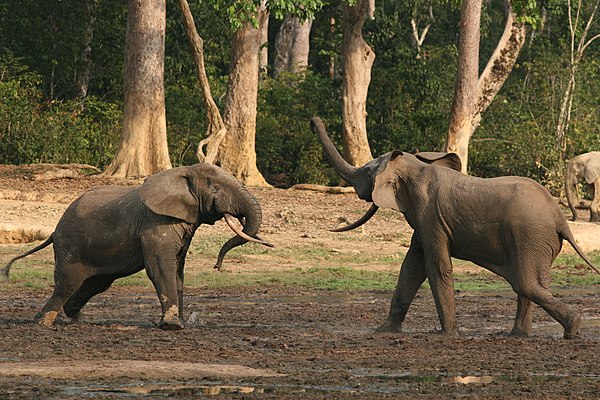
522,326
565,315
91,287
66,284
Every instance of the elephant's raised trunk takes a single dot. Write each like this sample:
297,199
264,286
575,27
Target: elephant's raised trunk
570,187
357,177
247,209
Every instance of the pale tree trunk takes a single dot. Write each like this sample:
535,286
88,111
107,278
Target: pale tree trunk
292,45
358,59
282,45
216,130
463,103
238,153
472,96
82,78
419,35
143,148
332,67
263,26
300,46
577,48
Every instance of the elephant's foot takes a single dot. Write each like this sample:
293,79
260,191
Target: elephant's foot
389,326
170,326
572,331
520,332
76,318
170,320
47,318
448,333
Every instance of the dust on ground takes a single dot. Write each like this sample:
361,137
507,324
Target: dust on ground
277,341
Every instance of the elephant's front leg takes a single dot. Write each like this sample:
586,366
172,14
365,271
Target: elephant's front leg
180,277
412,275
438,267
162,271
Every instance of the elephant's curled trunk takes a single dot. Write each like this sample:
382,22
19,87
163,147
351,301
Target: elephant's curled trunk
248,209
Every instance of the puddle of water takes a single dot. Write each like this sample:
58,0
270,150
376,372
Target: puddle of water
407,376
208,390
212,389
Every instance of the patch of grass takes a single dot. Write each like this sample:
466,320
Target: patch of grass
137,279
484,280
32,274
333,278
573,259
322,268
210,245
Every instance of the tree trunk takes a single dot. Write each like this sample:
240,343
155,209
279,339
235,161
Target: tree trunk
292,45
358,59
215,131
238,154
143,148
461,115
418,37
473,96
263,26
82,79
332,65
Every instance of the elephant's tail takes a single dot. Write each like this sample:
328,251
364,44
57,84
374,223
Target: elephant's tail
4,271
566,234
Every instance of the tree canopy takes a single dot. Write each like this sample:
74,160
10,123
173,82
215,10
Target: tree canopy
42,59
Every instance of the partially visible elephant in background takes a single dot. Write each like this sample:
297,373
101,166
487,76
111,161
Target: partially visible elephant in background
584,167
114,231
490,222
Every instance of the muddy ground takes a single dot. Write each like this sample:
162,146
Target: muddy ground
276,341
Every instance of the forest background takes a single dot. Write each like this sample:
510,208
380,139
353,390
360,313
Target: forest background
43,118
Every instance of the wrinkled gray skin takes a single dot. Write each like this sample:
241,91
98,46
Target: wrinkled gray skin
509,225
584,167
115,231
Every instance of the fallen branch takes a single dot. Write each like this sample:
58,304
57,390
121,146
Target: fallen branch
323,188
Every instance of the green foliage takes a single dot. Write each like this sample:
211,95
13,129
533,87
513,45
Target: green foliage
58,131
287,150
409,96
240,12
410,93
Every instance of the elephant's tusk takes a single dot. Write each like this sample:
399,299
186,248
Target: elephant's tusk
230,221
370,212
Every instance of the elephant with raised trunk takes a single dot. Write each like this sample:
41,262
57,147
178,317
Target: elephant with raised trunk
490,222
115,231
584,167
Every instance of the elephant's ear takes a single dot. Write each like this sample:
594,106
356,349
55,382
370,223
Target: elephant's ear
387,190
592,171
168,193
450,160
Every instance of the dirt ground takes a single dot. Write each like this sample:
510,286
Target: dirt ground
279,342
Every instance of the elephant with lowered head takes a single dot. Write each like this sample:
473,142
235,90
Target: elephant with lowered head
584,167
115,231
490,222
